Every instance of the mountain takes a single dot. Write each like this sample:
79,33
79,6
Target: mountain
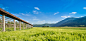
72,22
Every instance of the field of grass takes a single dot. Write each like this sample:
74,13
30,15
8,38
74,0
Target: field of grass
45,34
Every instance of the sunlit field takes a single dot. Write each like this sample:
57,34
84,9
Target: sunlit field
45,34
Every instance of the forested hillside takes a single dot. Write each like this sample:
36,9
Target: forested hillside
73,22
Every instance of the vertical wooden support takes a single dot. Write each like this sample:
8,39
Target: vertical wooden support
26,26
23,25
10,25
20,25
14,25
31,26
3,21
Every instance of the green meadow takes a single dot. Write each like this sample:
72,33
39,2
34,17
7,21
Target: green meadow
45,34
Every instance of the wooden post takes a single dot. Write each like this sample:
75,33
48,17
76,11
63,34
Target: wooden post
9,24
20,25
3,21
26,26
14,25
23,25
31,26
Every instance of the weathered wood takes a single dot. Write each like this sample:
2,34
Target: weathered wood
7,14
11,16
20,25
14,25
3,21
31,26
23,25
26,26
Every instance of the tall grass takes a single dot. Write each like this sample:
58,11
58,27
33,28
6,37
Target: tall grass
44,34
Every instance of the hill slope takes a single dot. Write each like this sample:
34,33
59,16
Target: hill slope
72,22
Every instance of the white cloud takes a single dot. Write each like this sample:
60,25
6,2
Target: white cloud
56,13
15,14
65,16
36,8
82,16
84,7
35,12
24,14
21,13
27,15
73,13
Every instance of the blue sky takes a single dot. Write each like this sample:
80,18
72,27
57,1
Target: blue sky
44,11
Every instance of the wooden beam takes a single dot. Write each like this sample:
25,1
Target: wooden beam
20,25
3,21
14,25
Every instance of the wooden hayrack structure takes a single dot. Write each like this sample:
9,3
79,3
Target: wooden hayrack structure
7,14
